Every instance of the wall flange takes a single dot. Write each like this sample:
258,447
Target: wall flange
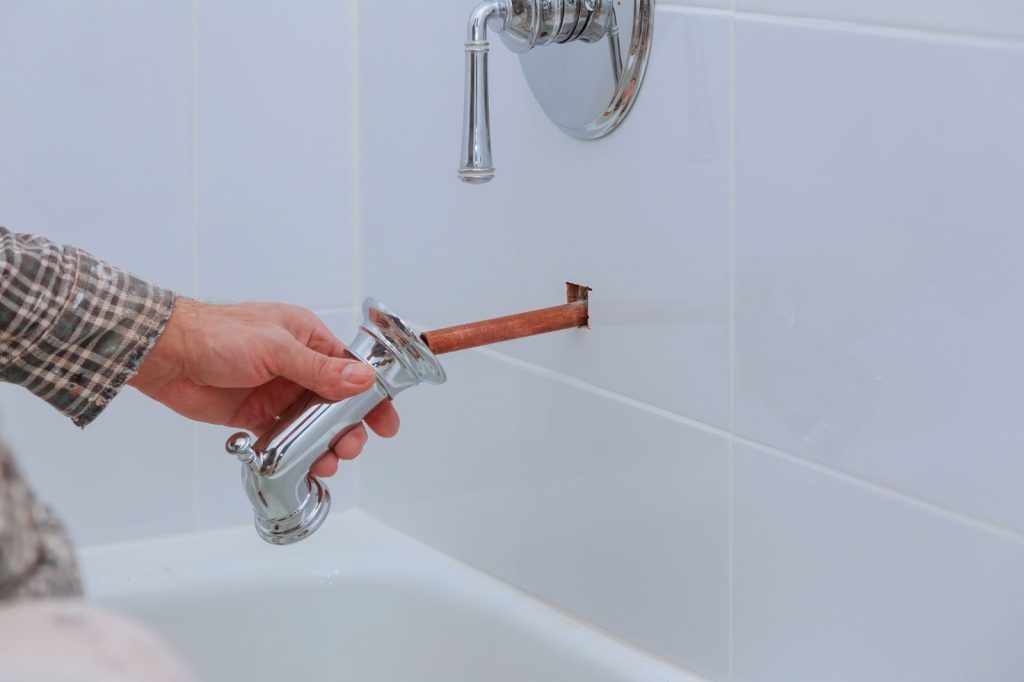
584,60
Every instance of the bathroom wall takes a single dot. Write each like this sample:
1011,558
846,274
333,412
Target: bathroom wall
804,468
206,146
807,467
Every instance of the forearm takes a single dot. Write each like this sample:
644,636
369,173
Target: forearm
73,329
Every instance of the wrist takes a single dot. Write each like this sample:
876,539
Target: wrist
166,360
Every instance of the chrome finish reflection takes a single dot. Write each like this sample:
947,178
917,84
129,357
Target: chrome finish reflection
584,92
476,166
289,503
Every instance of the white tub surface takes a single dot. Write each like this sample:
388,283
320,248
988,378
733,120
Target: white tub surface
356,602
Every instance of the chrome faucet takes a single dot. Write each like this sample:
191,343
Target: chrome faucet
522,25
289,503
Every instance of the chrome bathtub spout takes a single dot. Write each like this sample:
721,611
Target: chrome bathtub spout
289,503
477,165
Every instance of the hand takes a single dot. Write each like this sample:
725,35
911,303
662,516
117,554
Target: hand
243,365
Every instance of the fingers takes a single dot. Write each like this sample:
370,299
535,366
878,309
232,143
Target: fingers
331,377
322,363
314,359
383,419
307,328
300,322
325,467
348,448
264,405
352,444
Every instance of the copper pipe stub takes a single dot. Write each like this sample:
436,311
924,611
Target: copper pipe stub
461,337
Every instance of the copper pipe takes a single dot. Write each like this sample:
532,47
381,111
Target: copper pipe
463,336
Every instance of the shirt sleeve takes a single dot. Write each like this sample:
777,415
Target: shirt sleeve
73,329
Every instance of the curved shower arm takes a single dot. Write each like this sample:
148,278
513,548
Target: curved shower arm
477,165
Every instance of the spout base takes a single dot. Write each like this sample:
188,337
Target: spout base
303,522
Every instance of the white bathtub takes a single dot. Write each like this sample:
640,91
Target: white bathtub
356,602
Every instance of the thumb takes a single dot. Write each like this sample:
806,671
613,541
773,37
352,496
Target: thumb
330,377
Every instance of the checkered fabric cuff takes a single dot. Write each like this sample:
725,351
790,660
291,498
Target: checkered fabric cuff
73,329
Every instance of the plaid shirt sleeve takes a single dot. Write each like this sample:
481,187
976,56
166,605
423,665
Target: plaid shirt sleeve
73,329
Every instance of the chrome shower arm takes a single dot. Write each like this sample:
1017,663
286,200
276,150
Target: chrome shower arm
477,165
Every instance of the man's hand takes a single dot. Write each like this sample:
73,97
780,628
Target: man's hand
243,365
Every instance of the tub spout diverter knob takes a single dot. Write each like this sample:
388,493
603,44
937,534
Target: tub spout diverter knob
240,446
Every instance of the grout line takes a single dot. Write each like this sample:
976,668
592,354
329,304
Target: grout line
732,349
194,141
555,375
357,165
339,310
357,203
894,493
693,10
731,562
887,491
196,516
695,4
603,392
877,27
892,30
194,191
732,237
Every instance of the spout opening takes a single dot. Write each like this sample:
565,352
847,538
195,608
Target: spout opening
301,524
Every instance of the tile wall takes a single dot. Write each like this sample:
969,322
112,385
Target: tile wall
806,470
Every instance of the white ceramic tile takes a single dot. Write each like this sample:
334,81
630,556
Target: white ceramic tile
611,512
998,17
220,500
95,130
879,242
714,4
836,582
274,135
127,475
640,216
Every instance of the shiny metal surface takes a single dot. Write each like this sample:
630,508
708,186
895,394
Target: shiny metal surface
289,503
587,88
476,165
586,84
